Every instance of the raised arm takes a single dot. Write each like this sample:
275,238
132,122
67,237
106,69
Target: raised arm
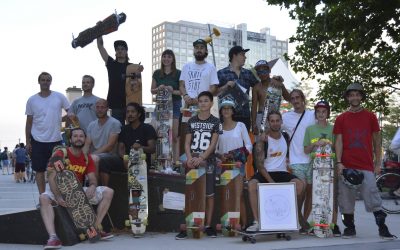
102,50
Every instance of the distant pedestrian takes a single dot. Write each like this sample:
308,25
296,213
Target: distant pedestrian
5,161
20,159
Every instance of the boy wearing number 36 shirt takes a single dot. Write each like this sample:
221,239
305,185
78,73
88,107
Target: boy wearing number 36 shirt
200,142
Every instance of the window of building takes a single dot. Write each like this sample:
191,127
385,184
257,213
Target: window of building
175,35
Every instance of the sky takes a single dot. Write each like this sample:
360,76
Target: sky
36,36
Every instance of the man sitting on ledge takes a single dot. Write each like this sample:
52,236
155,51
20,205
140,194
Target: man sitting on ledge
81,165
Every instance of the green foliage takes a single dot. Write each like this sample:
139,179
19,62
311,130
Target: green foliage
340,42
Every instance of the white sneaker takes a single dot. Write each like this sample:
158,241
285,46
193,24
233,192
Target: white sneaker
253,228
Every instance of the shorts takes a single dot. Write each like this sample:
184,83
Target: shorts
93,201
278,176
19,167
5,162
303,171
210,177
110,163
176,110
41,153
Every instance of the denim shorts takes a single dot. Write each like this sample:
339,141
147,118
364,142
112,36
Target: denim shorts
176,110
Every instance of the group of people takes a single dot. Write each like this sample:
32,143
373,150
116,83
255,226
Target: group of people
279,157
15,162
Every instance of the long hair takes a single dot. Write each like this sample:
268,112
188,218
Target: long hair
300,93
173,65
140,109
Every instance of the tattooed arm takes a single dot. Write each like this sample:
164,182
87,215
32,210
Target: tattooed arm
260,156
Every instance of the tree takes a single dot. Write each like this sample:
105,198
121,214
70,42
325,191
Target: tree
340,42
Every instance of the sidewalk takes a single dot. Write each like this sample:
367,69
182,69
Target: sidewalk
15,197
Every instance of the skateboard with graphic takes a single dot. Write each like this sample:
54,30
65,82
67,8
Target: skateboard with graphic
272,102
163,117
108,25
78,206
322,193
133,83
236,95
195,201
138,192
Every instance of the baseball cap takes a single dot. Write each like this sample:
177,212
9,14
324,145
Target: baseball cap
120,43
261,63
322,104
200,41
236,50
226,103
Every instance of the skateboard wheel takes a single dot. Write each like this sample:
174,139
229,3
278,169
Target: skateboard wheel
288,237
253,241
244,238
82,237
127,223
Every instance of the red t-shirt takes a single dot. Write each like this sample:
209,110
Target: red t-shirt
356,130
78,165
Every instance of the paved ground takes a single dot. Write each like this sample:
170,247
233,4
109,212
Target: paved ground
23,196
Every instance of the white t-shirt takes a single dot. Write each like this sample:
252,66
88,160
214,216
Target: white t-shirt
46,112
276,158
233,139
198,77
296,149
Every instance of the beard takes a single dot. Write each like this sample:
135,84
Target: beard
78,144
200,57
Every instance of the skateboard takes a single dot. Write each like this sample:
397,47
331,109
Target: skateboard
163,115
66,131
133,84
108,25
272,102
251,237
195,201
322,193
189,112
236,95
78,206
138,192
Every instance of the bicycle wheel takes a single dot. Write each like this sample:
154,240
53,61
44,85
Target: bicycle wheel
387,183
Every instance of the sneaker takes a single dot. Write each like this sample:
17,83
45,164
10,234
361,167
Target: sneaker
336,231
349,233
181,236
105,236
255,227
385,234
305,231
311,232
53,244
210,231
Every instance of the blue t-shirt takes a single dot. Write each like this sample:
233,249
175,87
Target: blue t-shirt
20,154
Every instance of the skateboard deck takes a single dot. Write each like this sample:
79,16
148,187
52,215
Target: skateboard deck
133,84
236,95
78,206
195,201
163,115
322,193
108,25
272,102
251,237
138,192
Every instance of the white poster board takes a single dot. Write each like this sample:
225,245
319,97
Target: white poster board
173,200
277,206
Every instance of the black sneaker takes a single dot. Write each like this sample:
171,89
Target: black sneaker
336,231
349,233
181,236
210,231
385,234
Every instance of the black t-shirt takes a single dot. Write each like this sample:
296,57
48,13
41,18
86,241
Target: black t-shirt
141,134
202,131
116,96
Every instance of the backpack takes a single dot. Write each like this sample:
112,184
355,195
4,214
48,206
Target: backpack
3,155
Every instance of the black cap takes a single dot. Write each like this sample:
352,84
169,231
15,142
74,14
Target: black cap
120,43
236,50
200,41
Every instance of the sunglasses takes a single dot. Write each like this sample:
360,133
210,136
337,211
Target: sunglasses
263,72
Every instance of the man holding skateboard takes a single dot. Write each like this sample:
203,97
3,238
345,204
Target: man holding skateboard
272,167
83,108
42,130
358,147
116,69
235,73
81,165
200,142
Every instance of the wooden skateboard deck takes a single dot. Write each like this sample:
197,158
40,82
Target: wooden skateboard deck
195,202
138,192
272,102
108,25
322,193
78,206
163,115
236,95
133,84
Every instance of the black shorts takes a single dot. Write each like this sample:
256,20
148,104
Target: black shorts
19,167
41,152
110,163
279,176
